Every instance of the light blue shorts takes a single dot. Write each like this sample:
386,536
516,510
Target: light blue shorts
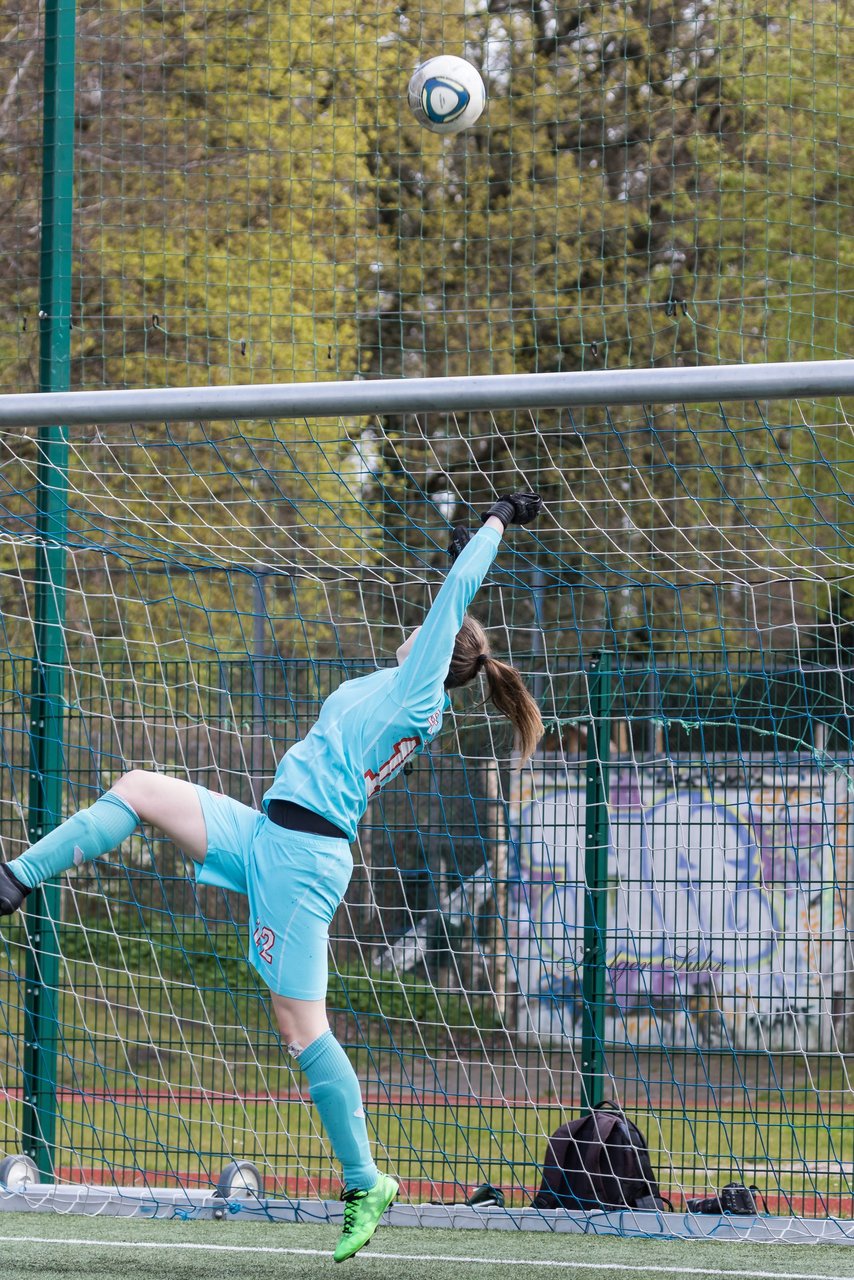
294,883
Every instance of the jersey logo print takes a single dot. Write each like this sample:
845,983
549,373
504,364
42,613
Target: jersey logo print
433,723
400,754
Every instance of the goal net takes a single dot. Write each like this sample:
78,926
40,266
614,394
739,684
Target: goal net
654,911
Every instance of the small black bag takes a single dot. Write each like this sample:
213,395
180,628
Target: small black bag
600,1161
735,1198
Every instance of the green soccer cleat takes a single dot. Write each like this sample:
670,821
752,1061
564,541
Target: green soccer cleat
362,1213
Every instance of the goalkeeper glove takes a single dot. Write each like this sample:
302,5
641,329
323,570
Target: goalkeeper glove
516,508
460,538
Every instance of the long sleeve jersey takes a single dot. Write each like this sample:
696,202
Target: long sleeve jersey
369,727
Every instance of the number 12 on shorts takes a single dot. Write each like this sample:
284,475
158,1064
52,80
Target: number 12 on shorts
264,940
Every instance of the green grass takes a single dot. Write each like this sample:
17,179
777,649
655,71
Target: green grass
43,1246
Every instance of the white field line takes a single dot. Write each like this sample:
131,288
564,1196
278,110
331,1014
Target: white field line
794,1166
431,1257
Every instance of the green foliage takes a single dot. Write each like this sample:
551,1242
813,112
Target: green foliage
255,201
409,1000
655,186
188,977
227,240
633,158
650,185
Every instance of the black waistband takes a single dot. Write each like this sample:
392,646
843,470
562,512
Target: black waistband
295,818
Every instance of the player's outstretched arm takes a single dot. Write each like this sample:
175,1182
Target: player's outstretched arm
423,673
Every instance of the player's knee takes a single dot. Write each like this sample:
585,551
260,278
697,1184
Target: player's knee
301,1022
136,787
288,1026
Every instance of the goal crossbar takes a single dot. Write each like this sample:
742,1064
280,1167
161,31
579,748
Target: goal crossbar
803,379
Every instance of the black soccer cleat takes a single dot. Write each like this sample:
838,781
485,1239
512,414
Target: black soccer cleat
12,892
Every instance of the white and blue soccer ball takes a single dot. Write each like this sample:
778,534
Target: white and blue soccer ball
446,94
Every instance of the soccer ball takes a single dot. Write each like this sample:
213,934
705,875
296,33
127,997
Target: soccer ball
446,94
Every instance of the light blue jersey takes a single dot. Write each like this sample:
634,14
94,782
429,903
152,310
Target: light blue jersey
369,727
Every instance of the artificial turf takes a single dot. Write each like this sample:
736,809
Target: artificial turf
52,1247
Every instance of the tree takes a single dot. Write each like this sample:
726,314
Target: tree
652,185
219,223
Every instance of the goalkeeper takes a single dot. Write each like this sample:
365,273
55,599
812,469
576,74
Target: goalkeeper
293,858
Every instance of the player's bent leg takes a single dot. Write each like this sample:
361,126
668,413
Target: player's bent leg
85,836
333,1085
335,1091
171,805
301,1022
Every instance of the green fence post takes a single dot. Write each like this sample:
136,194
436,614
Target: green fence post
596,843
47,768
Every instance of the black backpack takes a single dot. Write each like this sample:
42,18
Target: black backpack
600,1161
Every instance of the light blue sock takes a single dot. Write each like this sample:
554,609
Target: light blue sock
335,1091
87,835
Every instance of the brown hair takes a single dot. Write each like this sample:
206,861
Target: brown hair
506,687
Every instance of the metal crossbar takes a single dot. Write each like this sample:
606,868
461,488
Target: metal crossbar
805,379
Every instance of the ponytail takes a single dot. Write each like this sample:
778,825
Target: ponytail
506,687
513,699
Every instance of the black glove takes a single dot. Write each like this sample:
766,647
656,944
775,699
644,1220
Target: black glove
516,508
460,538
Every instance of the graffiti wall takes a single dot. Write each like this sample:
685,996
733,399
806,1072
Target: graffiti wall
726,905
